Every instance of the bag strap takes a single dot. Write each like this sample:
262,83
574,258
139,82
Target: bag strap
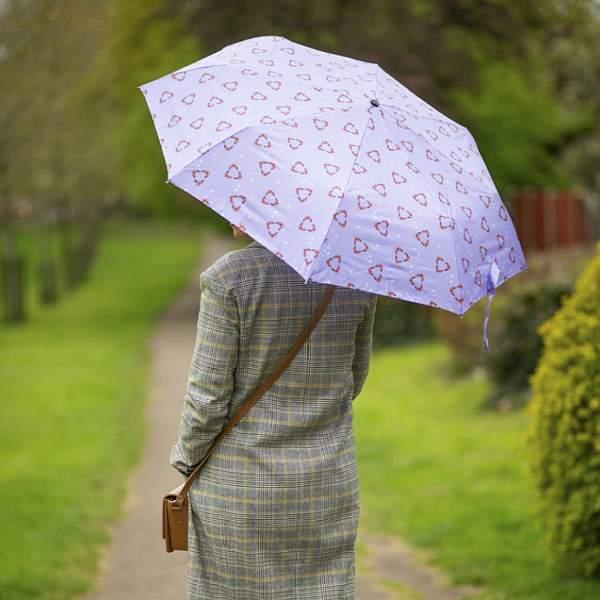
261,389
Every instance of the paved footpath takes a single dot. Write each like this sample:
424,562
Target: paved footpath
136,566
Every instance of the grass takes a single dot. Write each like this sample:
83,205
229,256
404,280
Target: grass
73,386
434,469
446,476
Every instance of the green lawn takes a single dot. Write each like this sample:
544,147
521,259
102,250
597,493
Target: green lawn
72,389
446,476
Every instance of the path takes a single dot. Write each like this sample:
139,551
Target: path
136,565
391,570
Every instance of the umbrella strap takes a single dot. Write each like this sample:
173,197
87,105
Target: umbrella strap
491,283
327,295
488,306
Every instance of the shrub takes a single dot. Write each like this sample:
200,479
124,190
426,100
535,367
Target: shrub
398,322
517,344
563,434
463,335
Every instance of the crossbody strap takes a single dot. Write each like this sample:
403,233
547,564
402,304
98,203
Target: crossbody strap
262,388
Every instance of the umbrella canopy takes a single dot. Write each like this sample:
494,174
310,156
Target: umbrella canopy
339,170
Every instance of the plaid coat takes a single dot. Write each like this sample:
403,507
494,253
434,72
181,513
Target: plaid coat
274,512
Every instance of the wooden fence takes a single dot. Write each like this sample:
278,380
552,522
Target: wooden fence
548,219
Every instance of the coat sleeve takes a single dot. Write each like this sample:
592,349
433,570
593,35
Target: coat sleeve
211,375
362,345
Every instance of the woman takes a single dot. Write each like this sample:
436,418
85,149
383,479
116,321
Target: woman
274,512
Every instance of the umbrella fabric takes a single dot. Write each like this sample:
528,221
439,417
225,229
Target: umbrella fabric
339,170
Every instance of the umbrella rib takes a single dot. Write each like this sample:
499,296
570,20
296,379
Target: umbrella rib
390,107
484,188
249,126
252,62
343,191
198,67
187,69
452,213
255,63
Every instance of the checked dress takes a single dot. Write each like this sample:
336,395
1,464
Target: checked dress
274,512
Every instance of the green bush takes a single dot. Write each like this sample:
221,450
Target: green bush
563,434
463,335
517,344
519,307
399,322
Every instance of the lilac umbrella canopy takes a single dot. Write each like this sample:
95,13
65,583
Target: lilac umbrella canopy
339,170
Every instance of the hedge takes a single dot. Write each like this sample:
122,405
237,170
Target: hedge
399,322
563,434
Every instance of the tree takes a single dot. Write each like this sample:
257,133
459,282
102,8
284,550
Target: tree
148,41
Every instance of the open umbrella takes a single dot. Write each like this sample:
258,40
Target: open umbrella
339,170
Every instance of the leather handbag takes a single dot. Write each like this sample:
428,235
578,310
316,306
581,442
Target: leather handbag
175,510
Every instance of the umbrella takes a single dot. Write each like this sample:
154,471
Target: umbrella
338,169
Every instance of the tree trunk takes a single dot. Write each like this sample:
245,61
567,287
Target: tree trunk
47,272
68,252
13,279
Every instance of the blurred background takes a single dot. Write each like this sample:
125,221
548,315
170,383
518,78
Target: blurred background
496,469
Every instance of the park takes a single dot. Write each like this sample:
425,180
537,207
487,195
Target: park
479,468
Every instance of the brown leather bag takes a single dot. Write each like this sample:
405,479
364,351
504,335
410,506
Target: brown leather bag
175,503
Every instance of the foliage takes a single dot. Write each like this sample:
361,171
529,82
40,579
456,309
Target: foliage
564,431
571,47
81,61
71,413
517,345
398,322
148,42
517,121
50,147
426,43
519,306
463,336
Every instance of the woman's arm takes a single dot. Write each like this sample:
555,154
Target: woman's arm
211,374
362,347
